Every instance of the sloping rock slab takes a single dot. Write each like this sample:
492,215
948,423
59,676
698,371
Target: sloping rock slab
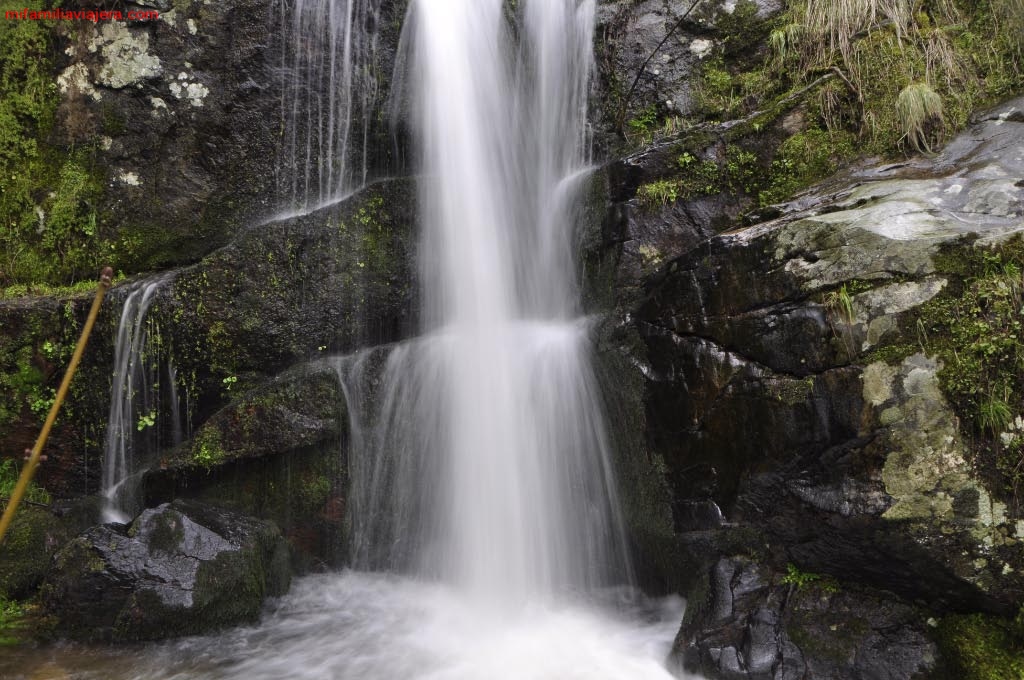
179,569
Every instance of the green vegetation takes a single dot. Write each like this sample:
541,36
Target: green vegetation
48,193
207,450
644,124
9,473
11,618
802,579
911,72
979,647
975,327
840,303
660,193
832,81
919,110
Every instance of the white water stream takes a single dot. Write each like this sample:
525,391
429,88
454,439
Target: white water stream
142,389
331,87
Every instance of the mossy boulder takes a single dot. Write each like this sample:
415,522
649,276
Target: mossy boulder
178,569
34,536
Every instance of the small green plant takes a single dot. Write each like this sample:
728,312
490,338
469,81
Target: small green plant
994,413
840,303
657,194
643,123
800,579
146,420
9,474
207,450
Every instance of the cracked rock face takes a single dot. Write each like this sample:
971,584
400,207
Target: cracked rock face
179,569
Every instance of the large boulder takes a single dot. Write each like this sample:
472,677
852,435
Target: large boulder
178,569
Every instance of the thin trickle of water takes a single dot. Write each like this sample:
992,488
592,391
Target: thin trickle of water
141,379
328,51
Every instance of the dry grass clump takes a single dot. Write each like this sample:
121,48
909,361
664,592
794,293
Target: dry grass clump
919,109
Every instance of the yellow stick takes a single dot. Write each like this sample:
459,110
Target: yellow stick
33,462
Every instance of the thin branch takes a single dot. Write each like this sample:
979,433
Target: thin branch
643,67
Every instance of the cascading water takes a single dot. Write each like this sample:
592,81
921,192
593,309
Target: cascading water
486,462
137,397
326,107
479,461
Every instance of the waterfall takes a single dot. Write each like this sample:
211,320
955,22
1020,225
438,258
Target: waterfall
480,466
138,396
328,50
485,462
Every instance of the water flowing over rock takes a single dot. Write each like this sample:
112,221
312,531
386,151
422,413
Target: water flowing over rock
490,438
136,400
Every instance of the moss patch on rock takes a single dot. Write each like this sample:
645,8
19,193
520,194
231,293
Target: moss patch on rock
49,193
974,328
979,647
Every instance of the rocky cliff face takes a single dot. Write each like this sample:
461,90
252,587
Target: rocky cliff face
817,401
796,388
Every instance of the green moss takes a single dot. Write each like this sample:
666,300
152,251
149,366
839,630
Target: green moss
166,533
803,159
207,449
791,392
48,195
12,620
979,647
975,328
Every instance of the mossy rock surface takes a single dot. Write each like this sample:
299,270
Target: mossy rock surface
179,569
331,281
34,536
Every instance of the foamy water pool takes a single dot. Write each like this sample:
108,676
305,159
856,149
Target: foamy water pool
357,626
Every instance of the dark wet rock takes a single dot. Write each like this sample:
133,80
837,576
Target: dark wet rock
178,569
37,338
298,409
747,623
329,281
276,452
